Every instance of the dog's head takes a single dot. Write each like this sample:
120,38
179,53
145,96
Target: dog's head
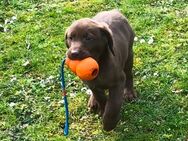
88,38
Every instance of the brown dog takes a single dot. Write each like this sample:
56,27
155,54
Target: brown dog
108,38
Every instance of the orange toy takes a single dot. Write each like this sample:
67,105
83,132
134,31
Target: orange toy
86,69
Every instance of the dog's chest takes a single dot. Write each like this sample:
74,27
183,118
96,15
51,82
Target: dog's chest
105,79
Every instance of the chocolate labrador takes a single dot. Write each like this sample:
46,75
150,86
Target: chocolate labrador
108,38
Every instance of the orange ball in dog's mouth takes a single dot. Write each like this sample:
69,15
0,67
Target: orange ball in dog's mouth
86,69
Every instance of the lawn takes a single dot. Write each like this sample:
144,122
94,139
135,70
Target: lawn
32,47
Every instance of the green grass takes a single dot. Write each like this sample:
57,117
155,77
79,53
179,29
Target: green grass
31,51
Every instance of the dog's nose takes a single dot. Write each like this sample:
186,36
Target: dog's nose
74,53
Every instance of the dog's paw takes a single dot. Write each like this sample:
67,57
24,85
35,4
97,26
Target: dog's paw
93,105
129,95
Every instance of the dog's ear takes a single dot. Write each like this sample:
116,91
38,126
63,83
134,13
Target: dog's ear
66,42
108,33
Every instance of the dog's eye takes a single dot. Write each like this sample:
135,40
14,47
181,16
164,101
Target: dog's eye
88,38
70,38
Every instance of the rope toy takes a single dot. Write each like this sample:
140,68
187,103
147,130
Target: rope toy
86,69
64,97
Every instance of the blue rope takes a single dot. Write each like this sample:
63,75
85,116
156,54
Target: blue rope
64,96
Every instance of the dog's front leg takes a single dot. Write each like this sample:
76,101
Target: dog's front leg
112,109
97,101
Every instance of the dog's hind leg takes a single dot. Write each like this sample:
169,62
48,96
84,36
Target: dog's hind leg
129,93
